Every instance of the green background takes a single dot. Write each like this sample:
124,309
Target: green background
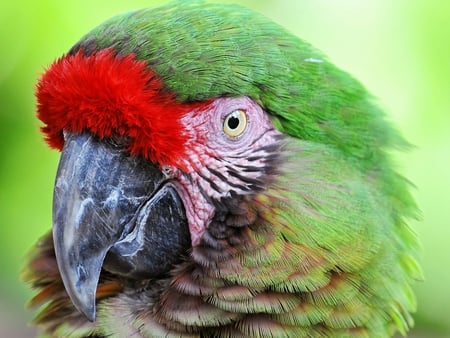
399,49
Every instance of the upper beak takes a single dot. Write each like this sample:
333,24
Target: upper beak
115,211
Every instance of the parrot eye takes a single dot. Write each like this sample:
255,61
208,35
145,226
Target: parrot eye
235,123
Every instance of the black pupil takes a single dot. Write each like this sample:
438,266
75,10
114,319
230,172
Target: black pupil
233,122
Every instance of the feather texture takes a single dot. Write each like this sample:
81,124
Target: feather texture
303,267
316,246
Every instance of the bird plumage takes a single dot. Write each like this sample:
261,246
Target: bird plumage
298,228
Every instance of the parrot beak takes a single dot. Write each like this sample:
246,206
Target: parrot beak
113,211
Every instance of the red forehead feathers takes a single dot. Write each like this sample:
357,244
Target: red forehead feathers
111,95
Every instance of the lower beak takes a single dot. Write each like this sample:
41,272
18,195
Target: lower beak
114,211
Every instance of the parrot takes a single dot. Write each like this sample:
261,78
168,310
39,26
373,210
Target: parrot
218,177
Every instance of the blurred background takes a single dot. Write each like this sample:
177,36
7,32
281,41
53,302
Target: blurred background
400,50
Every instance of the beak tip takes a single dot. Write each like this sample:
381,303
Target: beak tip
82,290
90,314
85,306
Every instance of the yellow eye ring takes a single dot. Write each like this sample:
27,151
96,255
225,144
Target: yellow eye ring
235,123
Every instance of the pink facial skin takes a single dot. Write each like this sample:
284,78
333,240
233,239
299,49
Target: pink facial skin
218,164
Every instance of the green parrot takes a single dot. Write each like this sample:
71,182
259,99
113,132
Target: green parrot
219,177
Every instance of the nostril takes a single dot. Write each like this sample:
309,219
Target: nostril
167,171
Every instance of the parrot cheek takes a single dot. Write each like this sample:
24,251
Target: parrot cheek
199,210
112,211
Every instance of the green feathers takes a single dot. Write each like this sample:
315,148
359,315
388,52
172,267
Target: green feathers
203,51
322,249
323,259
331,210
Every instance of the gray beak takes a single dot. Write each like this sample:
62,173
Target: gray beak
113,211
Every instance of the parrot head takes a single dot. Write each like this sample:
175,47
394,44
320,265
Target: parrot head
226,178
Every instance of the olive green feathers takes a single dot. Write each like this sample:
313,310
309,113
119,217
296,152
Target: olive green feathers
318,246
